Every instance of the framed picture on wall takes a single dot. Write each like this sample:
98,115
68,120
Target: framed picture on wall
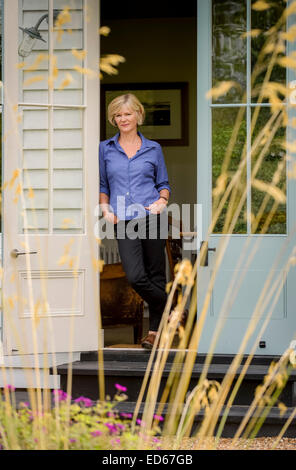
166,110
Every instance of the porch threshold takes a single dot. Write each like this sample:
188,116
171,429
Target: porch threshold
139,353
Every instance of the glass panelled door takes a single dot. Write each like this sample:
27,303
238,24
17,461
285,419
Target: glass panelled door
51,175
246,182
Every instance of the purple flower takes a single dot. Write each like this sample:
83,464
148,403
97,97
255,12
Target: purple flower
10,387
72,441
155,439
158,418
112,428
96,433
121,388
85,401
140,422
59,395
126,415
110,414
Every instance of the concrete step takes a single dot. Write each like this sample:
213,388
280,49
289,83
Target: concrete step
271,426
129,372
142,355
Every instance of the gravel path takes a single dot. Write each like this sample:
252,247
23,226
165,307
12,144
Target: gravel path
260,443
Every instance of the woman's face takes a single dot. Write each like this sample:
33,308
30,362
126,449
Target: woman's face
126,119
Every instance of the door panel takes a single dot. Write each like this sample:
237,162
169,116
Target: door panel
248,287
51,292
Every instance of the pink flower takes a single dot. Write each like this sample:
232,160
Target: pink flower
158,418
126,415
115,441
10,387
112,428
96,433
85,401
121,388
59,395
120,426
25,404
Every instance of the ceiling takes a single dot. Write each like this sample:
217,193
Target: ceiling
128,9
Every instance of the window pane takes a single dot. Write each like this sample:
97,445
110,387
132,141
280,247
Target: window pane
223,120
229,47
263,21
268,170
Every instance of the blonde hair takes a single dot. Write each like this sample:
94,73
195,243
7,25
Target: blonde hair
130,100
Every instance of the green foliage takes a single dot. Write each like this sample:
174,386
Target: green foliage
72,425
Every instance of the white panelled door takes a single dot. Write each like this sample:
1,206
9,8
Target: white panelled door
248,287
50,285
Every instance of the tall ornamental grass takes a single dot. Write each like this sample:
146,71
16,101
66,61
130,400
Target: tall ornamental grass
59,422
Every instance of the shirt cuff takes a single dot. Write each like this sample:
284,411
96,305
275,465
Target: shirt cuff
104,190
164,186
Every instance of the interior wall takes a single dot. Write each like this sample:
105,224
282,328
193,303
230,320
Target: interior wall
161,50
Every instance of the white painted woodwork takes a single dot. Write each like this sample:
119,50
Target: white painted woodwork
51,298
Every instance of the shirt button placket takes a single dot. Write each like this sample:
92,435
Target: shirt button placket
129,161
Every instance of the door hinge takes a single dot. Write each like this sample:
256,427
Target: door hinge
204,260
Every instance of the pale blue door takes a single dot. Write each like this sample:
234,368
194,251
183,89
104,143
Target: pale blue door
247,292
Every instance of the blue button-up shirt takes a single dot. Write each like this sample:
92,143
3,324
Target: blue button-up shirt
132,183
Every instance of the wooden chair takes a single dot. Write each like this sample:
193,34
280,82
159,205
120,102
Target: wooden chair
174,248
174,253
120,303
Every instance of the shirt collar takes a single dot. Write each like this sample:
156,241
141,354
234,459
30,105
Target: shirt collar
146,143
114,139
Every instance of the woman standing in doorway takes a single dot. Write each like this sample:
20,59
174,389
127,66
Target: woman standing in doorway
134,190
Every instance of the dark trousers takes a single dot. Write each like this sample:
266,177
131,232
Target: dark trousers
143,260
